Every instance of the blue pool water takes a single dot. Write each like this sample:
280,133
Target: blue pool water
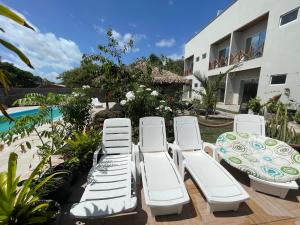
4,126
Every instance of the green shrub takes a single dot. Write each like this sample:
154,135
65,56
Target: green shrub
272,106
254,105
76,109
102,115
297,115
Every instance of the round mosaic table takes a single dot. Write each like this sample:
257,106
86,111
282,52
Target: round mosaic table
261,157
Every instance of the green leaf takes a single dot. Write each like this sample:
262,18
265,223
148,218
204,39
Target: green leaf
17,51
28,144
4,81
4,11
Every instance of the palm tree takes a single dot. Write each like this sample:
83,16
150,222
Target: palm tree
4,81
211,88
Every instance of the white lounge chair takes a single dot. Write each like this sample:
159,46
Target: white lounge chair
255,124
111,187
221,190
164,189
96,103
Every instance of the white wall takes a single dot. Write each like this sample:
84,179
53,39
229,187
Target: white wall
281,50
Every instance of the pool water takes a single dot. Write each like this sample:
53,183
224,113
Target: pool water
4,126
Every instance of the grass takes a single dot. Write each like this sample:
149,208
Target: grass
210,134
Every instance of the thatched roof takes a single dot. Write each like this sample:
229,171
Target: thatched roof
161,76
166,77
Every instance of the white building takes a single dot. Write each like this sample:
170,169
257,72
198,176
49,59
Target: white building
265,35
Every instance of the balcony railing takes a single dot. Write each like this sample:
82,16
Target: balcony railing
244,56
188,71
217,63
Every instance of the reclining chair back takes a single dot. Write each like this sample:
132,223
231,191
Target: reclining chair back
153,134
247,123
117,136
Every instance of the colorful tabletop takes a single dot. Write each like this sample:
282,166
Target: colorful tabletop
262,157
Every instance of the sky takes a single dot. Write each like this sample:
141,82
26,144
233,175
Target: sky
66,29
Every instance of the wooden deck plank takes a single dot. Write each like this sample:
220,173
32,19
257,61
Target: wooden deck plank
260,209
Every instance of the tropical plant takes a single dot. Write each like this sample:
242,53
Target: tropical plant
24,126
112,75
76,109
210,90
297,115
21,204
83,75
4,81
277,127
81,147
255,105
145,102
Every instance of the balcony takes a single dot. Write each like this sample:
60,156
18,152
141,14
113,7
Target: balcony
188,71
252,53
218,63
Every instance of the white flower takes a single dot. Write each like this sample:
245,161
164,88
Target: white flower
123,102
157,108
161,106
142,86
169,109
85,86
75,94
162,101
154,93
130,95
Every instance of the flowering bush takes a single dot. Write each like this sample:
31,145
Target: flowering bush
145,102
76,108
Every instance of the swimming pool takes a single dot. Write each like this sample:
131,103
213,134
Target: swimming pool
4,126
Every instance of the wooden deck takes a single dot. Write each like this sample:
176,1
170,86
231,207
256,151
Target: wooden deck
260,209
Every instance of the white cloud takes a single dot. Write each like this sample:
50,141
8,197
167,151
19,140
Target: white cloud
123,38
165,43
48,53
170,2
102,20
175,56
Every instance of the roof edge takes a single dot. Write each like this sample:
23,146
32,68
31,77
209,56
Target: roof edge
234,1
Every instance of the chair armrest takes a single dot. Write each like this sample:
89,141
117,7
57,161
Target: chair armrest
96,155
212,147
136,160
178,158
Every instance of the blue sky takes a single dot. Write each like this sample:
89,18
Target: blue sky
66,29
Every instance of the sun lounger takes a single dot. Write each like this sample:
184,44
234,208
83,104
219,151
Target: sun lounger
164,189
255,124
111,182
221,190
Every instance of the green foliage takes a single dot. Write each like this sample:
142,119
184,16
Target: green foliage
163,62
81,147
254,105
272,105
24,126
112,75
102,115
211,87
84,75
277,126
145,102
21,205
297,115
76,109
6,12
20,78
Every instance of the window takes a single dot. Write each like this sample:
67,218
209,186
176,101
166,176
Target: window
204,56
254,44
278,79
195,85
223,53
289,17
197,59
